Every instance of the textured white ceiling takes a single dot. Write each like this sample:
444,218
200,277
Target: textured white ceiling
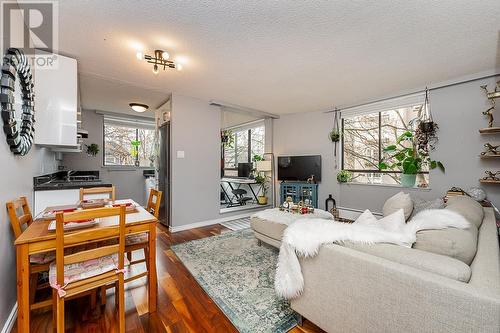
283,56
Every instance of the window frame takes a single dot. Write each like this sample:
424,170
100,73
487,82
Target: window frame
249,146
379,151
121,166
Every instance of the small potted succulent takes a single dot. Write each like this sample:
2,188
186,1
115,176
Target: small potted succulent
344,176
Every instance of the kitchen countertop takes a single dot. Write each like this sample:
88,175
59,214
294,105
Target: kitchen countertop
70,185
68,180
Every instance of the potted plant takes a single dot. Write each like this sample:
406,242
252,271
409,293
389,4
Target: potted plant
407,158
335,135
344,176
262,180
92,149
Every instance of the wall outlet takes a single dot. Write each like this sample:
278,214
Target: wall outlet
180,154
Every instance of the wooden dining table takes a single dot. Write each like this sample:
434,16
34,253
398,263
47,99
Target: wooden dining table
37,238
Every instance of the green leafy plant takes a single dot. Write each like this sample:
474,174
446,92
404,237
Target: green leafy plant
262,180
344,176
92,149
335,135
405,157
257,158
135,147
227,138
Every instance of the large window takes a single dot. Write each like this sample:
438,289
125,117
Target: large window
129,143
366,135
246,142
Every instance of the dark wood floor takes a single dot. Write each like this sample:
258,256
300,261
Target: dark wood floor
183,306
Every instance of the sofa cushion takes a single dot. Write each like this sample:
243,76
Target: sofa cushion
420,204
430,262
268,228
460,244
398,201
468,208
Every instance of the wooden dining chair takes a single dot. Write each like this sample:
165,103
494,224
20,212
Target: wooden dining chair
141,241
86,270
110,191
39,263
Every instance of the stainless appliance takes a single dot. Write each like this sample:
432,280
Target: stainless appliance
164,173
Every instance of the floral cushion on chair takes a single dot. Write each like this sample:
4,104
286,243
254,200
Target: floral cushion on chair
85,269
42,258
136,239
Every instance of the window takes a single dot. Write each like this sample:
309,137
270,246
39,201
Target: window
364,138
129,143
247,142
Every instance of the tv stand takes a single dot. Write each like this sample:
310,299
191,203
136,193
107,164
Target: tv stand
299,191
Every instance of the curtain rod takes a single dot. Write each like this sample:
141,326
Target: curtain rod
430,88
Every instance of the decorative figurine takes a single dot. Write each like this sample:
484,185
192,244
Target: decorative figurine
490,175
489,112
494,94
490,149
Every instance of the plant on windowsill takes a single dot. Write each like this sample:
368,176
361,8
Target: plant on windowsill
262,180
407,158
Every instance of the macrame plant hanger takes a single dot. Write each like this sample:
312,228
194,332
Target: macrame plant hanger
335,134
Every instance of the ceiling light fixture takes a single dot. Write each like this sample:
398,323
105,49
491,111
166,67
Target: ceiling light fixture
138,107
160,59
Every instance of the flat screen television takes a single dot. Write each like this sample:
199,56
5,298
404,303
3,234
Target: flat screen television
299,168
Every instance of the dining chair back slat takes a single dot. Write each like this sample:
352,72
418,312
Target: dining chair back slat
154,202
110,191
18,222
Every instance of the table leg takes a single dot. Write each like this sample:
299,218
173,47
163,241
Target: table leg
23,287
153,286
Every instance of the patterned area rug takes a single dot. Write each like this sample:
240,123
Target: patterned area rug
238,224
239,276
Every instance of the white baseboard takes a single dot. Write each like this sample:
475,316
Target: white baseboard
11,319
208,222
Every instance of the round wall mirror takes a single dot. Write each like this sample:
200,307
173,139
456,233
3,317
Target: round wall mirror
17,101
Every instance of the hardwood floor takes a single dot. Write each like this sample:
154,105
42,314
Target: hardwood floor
183,306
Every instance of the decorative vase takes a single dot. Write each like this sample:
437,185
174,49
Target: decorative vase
408,180
262,200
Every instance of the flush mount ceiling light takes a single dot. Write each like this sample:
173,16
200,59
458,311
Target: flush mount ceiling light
159,60
138,107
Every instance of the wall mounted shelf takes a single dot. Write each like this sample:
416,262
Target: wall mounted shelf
489,130
489,156
489,181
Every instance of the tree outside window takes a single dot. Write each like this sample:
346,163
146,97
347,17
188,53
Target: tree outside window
128,146
365,136
247,143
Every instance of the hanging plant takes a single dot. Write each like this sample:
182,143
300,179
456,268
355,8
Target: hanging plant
335,134
344,176
92,149
426,124
227,138
135,147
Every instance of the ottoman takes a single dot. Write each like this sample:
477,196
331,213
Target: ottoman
267,229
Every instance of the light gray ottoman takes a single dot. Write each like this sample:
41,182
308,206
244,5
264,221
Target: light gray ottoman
268,231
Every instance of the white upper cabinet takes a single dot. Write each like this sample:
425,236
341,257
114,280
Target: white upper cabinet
56,103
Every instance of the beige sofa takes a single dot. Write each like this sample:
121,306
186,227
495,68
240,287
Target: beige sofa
388,288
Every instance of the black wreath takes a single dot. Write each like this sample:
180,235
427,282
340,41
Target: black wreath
16,62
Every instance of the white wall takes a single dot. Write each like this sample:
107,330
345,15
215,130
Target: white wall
457,109
16,181
129,182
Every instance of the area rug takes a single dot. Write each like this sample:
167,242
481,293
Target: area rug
237,224
239,276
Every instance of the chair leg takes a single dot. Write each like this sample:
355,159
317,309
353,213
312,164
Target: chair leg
121,303
129,256
93,299
33,287
117,293
146,256
60,314
103,295
54,310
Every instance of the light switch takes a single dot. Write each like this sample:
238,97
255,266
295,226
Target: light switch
180,154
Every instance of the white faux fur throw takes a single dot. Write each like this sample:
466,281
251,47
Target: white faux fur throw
288,218
305,237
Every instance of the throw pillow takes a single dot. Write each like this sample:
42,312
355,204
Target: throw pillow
420,204
468,208
366,218
393,222
399,201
